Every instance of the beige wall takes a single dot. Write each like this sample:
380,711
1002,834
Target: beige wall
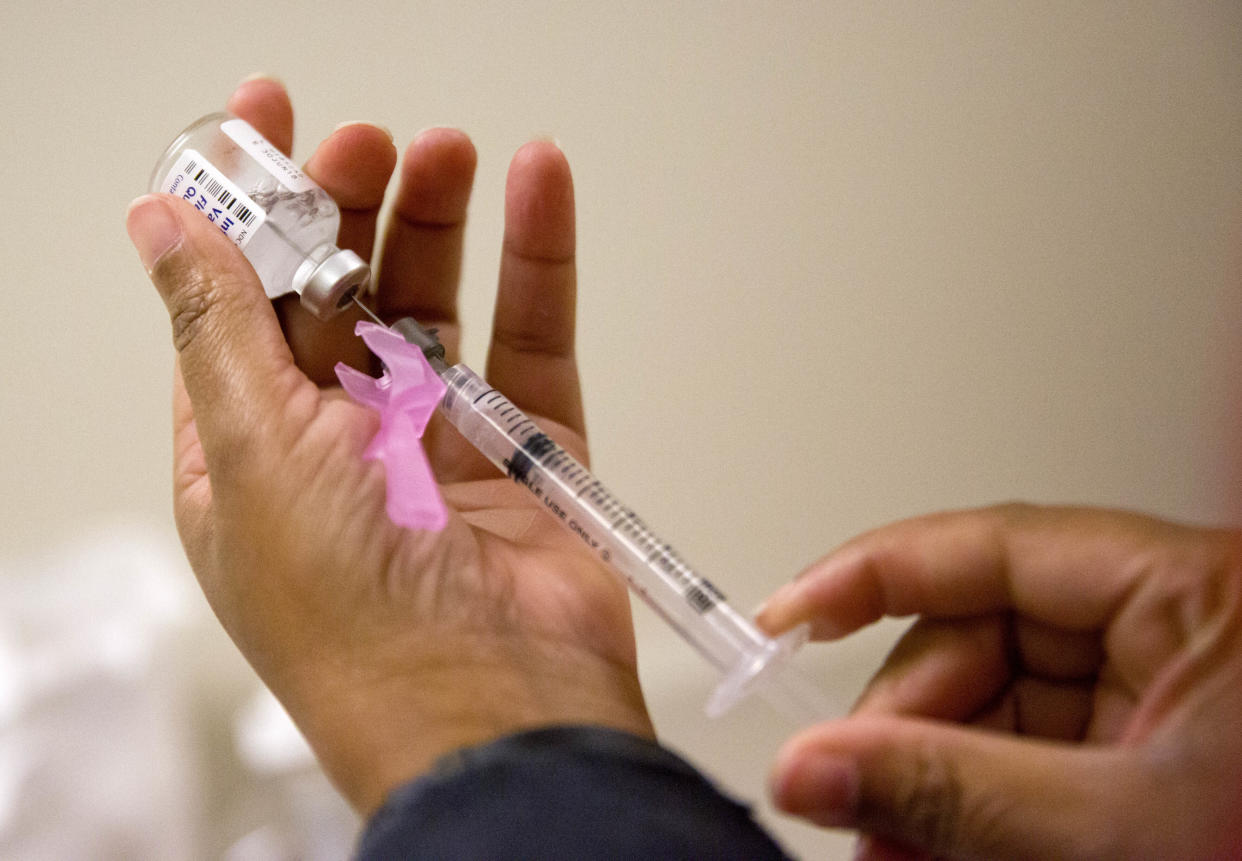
840,262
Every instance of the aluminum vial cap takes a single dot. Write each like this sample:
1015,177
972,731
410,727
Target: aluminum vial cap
333,283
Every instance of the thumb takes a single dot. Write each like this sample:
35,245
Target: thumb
952,791
234,360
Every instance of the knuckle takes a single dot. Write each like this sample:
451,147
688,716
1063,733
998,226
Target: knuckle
194,298
1213,612
927,802
544,338
931,808
189,316
190,295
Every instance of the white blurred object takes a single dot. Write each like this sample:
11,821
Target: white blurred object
118,696
298,813
95,759
266,738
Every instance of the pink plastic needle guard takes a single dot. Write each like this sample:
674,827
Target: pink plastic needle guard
405,397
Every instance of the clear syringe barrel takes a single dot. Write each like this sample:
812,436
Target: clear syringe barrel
614,534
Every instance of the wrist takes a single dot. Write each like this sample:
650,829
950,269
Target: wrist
377,724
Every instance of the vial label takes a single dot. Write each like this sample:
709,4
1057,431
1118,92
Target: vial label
265,153
196,180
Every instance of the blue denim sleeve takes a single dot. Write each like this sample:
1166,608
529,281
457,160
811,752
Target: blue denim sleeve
564,792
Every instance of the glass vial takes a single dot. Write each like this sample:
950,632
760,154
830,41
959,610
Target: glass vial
282,221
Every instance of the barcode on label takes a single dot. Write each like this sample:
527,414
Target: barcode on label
216,189
196,180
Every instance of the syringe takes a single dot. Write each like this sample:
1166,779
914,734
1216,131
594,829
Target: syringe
750,660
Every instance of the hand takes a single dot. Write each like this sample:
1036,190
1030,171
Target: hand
1072,688
389,647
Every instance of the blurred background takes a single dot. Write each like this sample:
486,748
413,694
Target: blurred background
840,263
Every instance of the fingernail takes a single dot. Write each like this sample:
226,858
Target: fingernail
776,598
153,228
260,76
823,789
552,139
382,128
435,129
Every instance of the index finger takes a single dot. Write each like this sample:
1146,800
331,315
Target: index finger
264,103
1069,567
422,252
353,166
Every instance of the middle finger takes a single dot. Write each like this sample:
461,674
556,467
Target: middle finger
422,252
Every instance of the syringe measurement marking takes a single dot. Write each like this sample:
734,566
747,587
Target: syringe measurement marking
697,590
618,519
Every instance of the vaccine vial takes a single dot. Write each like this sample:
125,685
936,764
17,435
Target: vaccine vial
279,217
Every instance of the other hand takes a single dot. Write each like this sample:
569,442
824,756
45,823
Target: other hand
1072,688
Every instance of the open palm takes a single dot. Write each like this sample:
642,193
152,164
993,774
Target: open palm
497,623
